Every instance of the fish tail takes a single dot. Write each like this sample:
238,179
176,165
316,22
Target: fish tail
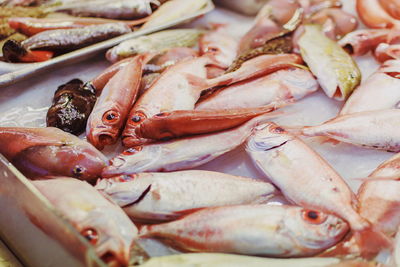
371,241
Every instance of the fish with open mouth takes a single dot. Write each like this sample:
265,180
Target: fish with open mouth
111,109
306,179
38,152
101,222
376,129
181,154
267,230
117,9
61,41
367,98
153,197
282,85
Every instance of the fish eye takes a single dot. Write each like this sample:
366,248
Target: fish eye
78,170
110,116
91,235
314,217
132,150
278,130
138,117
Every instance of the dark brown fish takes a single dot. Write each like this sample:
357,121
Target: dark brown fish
72,104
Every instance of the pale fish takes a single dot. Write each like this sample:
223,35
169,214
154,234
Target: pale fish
306,179
168,196
286,84
180,154
336,71
373,129
379,91
267,230
101,222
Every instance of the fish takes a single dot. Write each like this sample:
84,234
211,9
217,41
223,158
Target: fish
31,26
221,44
173,10
392,7
248,8
188,79
307,180
264,230
72,104
62,40
118,9
276,18
336,71
38,152
168,125
286,84
360,42
157,197
384,52
335,22
373,15
366,97
230,260
157,64
178,88
101,222
180,154
311,7
110,112
371,129
154,43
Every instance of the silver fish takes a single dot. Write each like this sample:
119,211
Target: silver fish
367,96
268,230
182,153
168,196
101,222
373,129
306,179
154,43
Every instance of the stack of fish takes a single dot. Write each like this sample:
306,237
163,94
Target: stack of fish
175,107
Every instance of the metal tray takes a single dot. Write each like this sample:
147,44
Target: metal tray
26,103
14,72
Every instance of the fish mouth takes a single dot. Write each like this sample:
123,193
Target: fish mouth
103,138
111,259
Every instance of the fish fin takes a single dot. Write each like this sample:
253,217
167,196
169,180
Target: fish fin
328,140
345,248
371,241
296,130
197,81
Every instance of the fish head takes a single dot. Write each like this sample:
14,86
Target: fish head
267,136
82,161
133,160
111,233
104,127
320,230
122,189
129,136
